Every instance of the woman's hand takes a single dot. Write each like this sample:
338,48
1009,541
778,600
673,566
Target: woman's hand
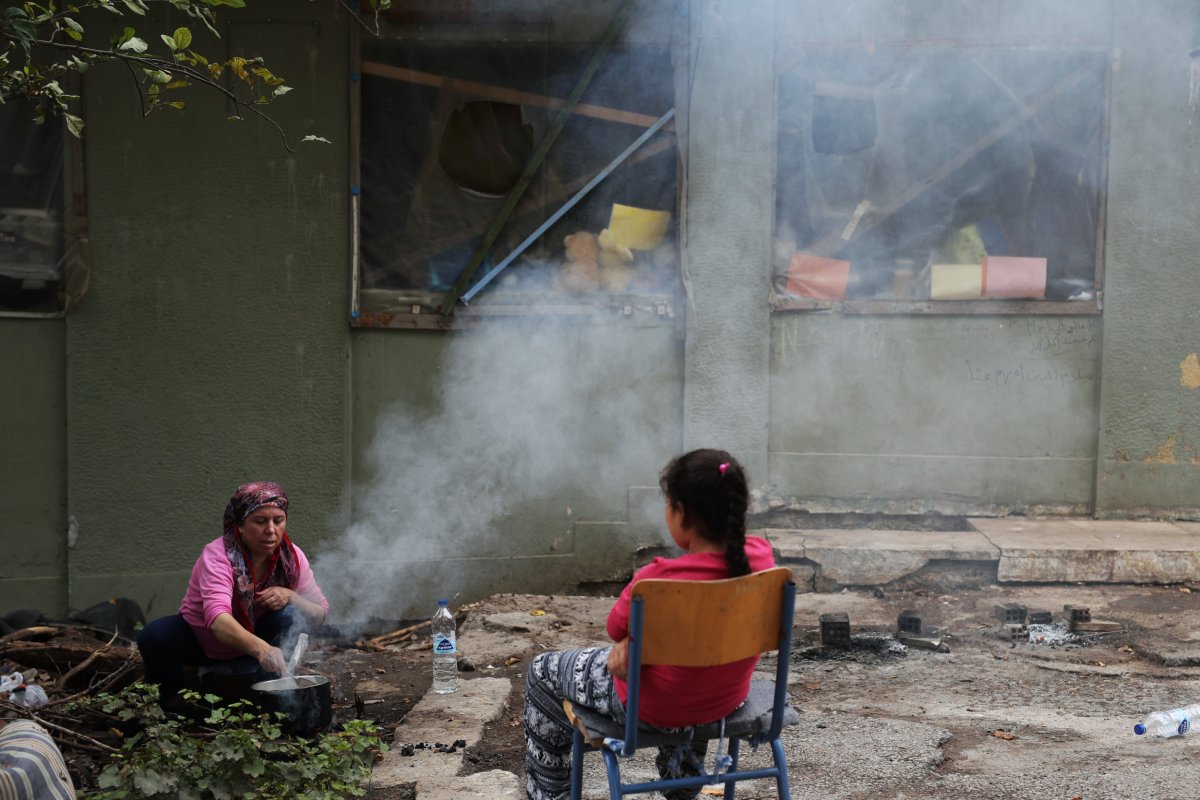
271,658
618,659
274,598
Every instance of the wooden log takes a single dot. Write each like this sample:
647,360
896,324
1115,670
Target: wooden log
29,633
60,657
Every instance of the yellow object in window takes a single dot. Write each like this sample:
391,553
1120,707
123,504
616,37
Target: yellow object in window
638,228
956,281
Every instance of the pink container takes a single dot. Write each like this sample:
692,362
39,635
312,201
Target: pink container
815,276
1009,276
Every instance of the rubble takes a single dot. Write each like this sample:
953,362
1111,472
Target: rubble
410,749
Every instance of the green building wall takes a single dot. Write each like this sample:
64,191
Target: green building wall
214,346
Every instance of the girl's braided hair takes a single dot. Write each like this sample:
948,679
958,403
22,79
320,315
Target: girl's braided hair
709,487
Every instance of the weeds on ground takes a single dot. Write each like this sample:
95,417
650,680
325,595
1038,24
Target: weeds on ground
235,751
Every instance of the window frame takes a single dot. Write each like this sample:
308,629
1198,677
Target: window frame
74,217
417,309
883,306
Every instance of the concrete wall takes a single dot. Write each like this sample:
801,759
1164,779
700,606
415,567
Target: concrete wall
33,523
212,347
521,456
729,200
1150,428
896,414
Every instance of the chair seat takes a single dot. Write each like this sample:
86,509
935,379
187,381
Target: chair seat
750,719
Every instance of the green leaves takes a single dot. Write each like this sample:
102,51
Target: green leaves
179,40
41,41
238,752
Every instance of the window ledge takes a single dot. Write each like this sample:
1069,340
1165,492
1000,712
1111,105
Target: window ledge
943,307
33,315
421,312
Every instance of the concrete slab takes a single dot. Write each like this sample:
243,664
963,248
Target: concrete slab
869,557
492,785
1099,551
444,718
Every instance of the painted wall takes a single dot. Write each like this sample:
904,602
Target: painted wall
980,415
1150,428
212,347
33,526
730,196
519,456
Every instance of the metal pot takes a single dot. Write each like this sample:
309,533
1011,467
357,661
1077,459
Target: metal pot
305,700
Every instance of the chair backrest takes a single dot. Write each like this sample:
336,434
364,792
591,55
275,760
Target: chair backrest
704,623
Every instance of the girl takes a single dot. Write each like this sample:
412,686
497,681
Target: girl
706,499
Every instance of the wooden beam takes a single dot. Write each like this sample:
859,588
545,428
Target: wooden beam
487,91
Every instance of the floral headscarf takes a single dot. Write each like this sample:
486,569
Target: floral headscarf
283,569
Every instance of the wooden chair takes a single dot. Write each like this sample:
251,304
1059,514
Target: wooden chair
700,624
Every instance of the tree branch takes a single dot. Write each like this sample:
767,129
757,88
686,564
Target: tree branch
165,65
355,16
137,87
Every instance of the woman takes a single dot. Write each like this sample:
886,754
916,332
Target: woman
249,588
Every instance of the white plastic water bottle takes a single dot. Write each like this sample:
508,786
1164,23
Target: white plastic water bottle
445,650
1173,722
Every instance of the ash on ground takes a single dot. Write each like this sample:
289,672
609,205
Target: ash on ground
875,643
1055,634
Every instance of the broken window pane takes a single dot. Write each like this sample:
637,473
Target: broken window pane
450,119
940,172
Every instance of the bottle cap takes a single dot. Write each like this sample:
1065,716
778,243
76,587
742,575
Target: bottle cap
443,602
1139,729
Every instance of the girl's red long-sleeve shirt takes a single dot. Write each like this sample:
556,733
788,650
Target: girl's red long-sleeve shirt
673,697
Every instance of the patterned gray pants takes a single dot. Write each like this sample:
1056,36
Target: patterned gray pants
582,677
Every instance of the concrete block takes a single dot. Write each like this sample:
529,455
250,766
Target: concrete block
492,785
1077,614
909,622
1040,617
1092,551
871,558
1011,613
835,630
444,718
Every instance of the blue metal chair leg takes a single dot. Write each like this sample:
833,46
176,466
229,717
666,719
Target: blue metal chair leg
577,747
614,774
781,781
731,786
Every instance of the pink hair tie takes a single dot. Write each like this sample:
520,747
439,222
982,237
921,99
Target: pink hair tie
723,467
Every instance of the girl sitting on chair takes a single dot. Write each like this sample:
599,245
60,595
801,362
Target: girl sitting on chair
707,496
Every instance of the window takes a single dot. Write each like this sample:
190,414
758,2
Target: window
937,171
455,106
33,210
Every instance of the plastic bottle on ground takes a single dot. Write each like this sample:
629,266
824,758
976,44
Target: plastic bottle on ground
1172,722
445,650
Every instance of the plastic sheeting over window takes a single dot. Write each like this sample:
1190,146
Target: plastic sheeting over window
943,173
448,125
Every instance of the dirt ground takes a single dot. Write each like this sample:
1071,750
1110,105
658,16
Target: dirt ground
986,691
992,717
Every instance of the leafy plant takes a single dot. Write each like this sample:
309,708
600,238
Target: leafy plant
235,752
42,43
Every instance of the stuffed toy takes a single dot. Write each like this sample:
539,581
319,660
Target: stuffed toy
580,273
616,270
